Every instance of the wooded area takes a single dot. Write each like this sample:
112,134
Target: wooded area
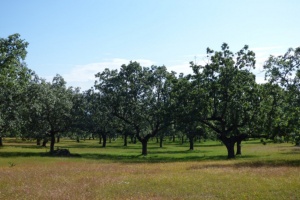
219,100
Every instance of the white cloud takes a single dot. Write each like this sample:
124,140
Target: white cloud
181,68
83,76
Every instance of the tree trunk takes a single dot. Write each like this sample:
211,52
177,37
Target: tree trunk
182,139
134,140
104,140
144,147
125,140
58,139
38,142
191,140
77,139
157,140
52,142
44,142
229,143
100,139
161,139
173,138
109,139
238,147
230,150
1,142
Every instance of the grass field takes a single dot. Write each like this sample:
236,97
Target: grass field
269,171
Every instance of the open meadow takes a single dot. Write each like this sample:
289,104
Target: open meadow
270,171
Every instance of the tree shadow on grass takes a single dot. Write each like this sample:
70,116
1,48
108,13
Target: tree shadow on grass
247,164
153,158
21,154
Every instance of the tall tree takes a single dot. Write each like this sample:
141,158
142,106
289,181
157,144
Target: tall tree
228,102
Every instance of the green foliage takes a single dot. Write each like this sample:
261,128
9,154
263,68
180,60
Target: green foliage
138,96
14,76
283,72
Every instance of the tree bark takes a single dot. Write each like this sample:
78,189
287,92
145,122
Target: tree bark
161,138
238,147
191,140
38,141
239,140
52,142
144,147
125,140
104,140
230,150
44,142
229,143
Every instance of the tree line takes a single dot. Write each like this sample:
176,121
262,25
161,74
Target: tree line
220,99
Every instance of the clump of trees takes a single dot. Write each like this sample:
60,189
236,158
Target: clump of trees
219,99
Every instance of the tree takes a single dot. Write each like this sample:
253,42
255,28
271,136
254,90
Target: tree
56,105
228,101
14,75
187,100
33,120
139,96
284,71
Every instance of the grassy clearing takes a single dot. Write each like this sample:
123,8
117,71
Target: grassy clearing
269,171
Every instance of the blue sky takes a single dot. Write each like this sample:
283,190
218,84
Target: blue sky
78,38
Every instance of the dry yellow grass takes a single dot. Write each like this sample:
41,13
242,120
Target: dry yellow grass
73,179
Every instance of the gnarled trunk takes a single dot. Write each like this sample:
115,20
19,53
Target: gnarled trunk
229,143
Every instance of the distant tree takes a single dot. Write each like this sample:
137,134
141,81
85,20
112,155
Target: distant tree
188,99
79,114
99,115
56,104
284,71
33,120
140,97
